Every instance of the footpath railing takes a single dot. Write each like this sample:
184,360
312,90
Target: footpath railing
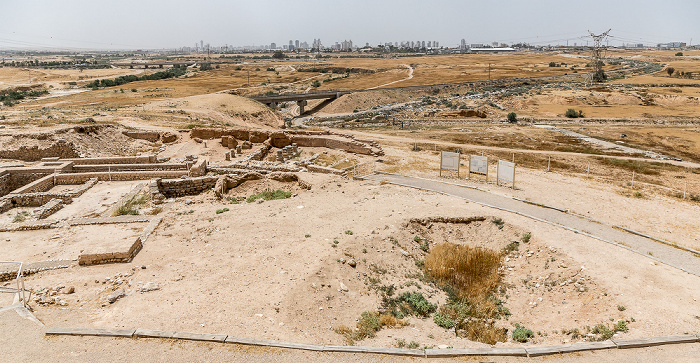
19,278
522,351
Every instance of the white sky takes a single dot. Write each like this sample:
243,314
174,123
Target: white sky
153,24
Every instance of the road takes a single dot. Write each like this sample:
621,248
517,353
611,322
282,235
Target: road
675,257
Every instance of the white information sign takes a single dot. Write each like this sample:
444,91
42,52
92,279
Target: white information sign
449,161
478,164
506,173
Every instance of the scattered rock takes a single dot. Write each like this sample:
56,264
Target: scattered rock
69,290
343,287
352,263
116,295
150,286
260,200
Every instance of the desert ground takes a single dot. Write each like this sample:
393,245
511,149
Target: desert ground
339,259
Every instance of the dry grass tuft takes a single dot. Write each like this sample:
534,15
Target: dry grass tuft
472,272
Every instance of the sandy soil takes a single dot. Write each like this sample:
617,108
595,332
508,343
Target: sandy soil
281,269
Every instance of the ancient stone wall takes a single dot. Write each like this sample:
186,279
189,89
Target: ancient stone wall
123,167
145,159
40,185
183,187
281,139
18,180
36,199
151,136
79,178
53,206
5,186
60,148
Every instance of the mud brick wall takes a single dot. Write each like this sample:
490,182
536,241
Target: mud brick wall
83,188
323,169
151,136
5,205
79,178
40,185
61,149
125,167
5,186
53,206
332,143
145,159
183,187
18,180
36,199
199,168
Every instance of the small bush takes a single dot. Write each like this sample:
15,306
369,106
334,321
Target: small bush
316,83
621,326
512,117
20,217
521,334
348,232
621,308
679,54
603,332
443,321
269,195
526,237
219,211
130,207
571,113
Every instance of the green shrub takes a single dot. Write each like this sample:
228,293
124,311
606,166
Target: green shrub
269,195
526,237
417,303
443,321
571,113
621,326
679,54
512,117
602,331
348,232
521,334
219,211
130,207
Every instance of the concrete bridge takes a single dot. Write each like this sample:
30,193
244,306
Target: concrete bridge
299,98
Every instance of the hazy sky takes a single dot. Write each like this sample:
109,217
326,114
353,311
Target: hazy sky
150,24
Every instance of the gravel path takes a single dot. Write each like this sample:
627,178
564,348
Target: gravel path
668,255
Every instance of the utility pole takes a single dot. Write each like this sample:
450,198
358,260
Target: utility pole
596,52
249,78
489,71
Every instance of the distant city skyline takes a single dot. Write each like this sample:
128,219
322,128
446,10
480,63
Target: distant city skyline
129,24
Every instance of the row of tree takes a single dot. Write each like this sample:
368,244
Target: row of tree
170,73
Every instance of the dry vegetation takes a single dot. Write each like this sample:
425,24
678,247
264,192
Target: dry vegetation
348,256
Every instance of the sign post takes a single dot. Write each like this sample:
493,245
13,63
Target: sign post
449,161
478,165
505,173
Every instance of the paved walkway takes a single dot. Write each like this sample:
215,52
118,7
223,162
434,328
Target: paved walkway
660,252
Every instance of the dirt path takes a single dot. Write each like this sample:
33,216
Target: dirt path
605,144
410,76
677,258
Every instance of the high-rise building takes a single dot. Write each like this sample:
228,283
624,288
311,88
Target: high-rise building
296,43
273,46
291,45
